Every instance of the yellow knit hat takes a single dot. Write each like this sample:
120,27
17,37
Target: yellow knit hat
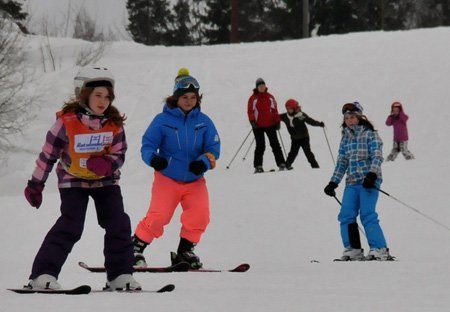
183,71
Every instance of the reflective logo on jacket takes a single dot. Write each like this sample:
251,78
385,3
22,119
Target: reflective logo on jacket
84,143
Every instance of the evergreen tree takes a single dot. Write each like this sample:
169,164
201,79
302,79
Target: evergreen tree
394,14
288,15
335,17
216,21
432,13
185,28
14,10
256,21
149,21
343,16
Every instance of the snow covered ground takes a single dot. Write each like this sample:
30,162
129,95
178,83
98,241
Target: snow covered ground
281,223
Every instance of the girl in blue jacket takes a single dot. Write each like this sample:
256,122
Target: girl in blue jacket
180,144
360,157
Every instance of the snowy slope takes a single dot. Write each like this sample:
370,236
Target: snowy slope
277,222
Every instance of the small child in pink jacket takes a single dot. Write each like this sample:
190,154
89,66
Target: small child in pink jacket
398,120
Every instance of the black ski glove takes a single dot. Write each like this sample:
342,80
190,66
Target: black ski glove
369,180
158,163
329,189
197,167
254,124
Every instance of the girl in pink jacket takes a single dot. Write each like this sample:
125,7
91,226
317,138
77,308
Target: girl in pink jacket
398,120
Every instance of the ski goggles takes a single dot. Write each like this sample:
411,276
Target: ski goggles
186,83
351,108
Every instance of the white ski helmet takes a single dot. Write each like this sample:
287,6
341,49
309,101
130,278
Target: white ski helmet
92,73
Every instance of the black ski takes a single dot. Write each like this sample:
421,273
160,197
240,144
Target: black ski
272,170
166,288
179,267
244,267
80,290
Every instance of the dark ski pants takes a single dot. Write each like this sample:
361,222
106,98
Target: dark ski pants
295,147
118,247
260,143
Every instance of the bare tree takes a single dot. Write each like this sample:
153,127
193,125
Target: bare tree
46,48
91,53
85,27
13,101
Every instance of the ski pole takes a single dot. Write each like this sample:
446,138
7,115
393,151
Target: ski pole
282,144
228,166
249,147
328,143
415,210
359,228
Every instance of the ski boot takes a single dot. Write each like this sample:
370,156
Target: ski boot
379,254
187,256
139,261
123,282
185,253
352,254
259,169
138,247
282,167
44,281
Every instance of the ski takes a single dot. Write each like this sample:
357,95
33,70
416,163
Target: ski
166,288
80,290
244,267
265,171
272,170
179,267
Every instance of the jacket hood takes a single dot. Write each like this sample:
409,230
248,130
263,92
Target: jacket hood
397,104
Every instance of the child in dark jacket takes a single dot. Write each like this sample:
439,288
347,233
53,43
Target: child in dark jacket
296,121
398,120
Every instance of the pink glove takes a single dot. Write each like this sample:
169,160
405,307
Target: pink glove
100,165
33,193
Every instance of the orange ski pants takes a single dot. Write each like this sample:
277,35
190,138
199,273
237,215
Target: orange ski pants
166,195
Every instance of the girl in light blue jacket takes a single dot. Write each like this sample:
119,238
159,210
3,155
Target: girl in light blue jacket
360,157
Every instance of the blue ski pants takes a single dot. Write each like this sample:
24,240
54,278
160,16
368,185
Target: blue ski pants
359,200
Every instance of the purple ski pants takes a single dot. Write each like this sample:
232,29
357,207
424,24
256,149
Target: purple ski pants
59,241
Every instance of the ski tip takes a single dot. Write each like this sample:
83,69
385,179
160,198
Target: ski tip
83,289
244,267
82,264
167,288
80,290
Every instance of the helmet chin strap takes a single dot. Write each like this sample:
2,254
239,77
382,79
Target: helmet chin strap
90,111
